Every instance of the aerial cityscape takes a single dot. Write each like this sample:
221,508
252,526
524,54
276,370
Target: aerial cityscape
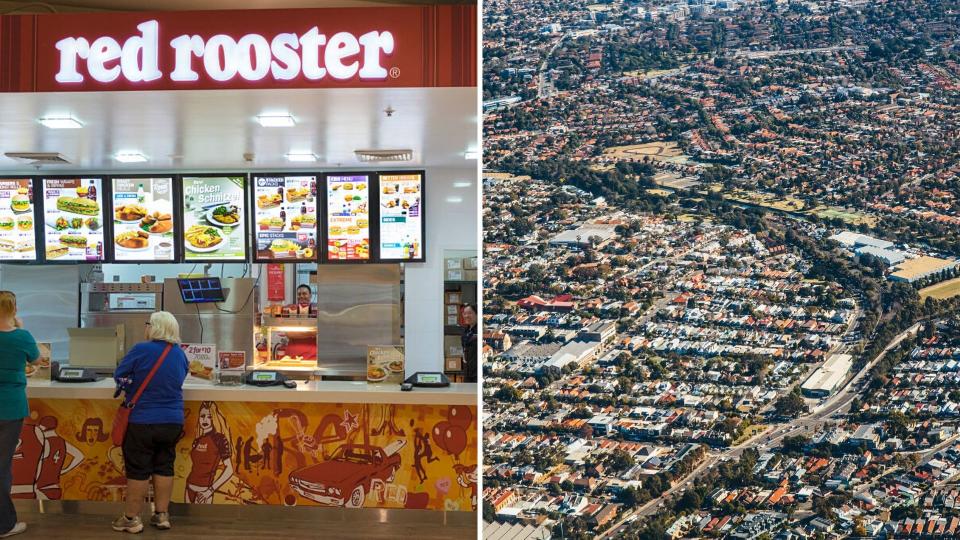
721,275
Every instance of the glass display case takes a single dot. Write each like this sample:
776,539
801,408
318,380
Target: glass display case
287,343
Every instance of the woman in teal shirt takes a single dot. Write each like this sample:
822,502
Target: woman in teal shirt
17,348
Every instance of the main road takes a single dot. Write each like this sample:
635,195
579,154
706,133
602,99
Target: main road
768,438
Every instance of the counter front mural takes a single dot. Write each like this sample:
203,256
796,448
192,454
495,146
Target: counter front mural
316,454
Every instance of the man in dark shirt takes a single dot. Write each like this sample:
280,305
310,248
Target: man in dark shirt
469,342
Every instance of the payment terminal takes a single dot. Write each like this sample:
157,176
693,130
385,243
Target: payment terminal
72,375
269,378
428,379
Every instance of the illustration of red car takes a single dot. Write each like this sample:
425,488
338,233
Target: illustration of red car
347,478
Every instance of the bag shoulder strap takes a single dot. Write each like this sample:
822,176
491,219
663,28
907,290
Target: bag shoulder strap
143,385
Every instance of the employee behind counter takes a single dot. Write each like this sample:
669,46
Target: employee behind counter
303,307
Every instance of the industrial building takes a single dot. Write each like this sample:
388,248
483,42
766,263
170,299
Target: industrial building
828,377
918,268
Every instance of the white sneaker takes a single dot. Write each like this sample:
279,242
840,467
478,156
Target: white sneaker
17,529
125,524
161,520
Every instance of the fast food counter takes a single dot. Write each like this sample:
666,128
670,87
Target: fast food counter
325,443
306,392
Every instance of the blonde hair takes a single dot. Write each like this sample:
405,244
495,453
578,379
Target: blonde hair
217,421
164,327
8,305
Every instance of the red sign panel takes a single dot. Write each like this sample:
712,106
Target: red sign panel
296,48
276,285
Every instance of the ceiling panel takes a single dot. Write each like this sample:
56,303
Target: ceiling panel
212,130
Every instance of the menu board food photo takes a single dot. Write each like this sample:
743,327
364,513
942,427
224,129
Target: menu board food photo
73,219
143,228
286,218
213,214
348,218
17,236
401,217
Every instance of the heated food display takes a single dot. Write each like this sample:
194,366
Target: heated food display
73,219
143,219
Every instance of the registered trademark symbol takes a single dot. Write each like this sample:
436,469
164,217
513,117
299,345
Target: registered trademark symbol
394,73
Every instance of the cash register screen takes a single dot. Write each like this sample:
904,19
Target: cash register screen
71,373
266,376
428,378
200,290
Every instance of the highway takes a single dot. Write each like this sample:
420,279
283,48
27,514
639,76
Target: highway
542,91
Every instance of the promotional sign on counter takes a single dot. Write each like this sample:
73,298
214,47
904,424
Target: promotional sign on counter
202,358
213,218
17,240
385,364
229,361
401,217
348,218
73,219
143,227
286,218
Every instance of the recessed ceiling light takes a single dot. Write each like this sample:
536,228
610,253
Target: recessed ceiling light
130,157
276,120
454,199
462,184
471,155
61,122
301,156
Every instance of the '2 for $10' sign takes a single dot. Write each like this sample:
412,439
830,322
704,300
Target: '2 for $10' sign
286,56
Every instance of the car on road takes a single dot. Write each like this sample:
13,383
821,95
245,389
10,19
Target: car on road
347,477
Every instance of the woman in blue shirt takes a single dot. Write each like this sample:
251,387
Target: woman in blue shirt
17,348
156,421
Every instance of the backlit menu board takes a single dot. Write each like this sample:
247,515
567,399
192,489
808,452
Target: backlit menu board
348,218
213,218
286,218
143,228
17,237
401,217
73,219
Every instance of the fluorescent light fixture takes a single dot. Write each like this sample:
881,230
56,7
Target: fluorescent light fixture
301,156
276,120
131,157
61,122
471,155
462,184
454,199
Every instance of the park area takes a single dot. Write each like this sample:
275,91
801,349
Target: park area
665,151
945,289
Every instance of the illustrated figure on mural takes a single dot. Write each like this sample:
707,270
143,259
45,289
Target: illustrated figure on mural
210,455
41,459
59,457
422,450
467,478
92,432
